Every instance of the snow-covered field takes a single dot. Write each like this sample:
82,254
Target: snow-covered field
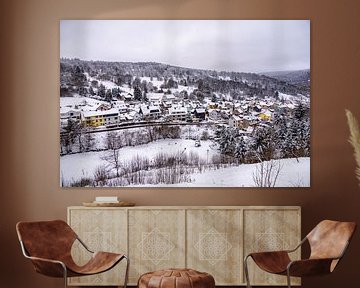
294,99
293,173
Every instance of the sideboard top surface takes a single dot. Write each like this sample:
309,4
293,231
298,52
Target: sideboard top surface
193,207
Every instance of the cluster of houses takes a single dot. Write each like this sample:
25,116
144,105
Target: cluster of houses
243,114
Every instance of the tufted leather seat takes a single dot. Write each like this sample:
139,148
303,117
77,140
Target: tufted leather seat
176,278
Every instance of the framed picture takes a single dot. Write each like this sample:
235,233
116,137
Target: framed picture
185,103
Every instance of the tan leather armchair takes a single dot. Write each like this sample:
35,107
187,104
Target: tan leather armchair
328,242
48,245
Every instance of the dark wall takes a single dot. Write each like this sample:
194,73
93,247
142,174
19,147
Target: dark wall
29,112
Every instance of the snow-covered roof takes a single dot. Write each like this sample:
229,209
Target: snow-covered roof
200,110
154,109
146,110
65,110
266,113
236,118
132,113
154,96
169,96
178,110
100,113
249,118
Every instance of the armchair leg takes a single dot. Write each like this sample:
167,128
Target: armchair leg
288,278
126,271
246,270
65,276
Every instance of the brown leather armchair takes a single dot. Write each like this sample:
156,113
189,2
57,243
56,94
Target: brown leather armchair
48,245
328,242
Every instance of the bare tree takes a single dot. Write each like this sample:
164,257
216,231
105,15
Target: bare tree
88,141
267,173
113,143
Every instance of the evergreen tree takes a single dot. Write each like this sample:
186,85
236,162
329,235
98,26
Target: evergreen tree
171,83
78,77
226,138
145,98
137,93
108,96
263,144
136,82
214,98
241,149
101,91
91,91
280,134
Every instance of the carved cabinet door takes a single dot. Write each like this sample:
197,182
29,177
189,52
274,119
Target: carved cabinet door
156,240
271,230
214,244
101,230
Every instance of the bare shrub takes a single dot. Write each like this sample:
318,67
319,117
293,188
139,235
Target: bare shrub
83,182
267,173
100,175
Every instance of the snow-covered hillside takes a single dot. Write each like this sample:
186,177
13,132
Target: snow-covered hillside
292,173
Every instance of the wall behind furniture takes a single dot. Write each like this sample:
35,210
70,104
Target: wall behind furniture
29,116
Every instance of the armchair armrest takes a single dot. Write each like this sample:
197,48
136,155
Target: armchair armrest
49,267
271,261
83,244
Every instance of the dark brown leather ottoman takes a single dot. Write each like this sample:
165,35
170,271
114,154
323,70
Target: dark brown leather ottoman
176,278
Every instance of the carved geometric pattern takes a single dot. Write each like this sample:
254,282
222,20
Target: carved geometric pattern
269,241
98,240
213,246
156,246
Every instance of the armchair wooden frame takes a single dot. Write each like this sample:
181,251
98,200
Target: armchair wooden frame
65,267
320,262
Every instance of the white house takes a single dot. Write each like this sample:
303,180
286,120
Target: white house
178,113
235,121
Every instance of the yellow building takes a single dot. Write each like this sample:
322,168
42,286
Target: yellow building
101,118
265,116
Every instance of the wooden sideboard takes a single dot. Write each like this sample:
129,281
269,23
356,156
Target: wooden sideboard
212,239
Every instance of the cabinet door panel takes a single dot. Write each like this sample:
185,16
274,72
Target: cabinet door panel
270,230
156,240
214,244
100,230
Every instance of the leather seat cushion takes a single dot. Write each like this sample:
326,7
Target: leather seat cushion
176,278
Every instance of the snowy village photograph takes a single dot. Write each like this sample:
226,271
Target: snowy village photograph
184,103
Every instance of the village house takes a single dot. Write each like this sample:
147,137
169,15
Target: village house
128,97
212,105
68,113
214,115
149,113
103,107
265,115
101,118
72,114
199,113
235,121
178,114
155,98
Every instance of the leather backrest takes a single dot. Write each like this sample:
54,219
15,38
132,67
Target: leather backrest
329,238
47,239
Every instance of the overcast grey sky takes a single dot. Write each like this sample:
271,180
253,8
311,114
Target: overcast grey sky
231,45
